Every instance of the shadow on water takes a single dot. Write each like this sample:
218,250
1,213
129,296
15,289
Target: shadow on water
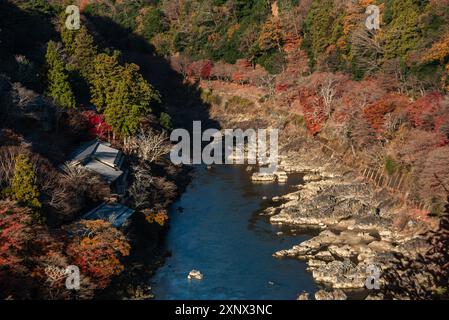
220,232
216,225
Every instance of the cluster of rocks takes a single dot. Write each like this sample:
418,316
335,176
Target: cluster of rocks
279,176
330,295
357,231
357,223
263,177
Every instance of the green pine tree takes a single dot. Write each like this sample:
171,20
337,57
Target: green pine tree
319,29
405,30
153,23
23,187
67,36
165,121
84,52
58,86
106,74
129,102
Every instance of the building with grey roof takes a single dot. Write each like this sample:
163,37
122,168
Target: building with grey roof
115,213
98,156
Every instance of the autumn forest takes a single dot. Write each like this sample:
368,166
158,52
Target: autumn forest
370,104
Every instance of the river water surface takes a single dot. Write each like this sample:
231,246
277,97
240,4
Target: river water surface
216,228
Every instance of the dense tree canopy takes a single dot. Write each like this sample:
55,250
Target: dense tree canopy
57,78
121,93
84,52
23,186
97,249
309,66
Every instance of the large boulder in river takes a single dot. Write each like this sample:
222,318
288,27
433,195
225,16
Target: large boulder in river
303,296
263,177
330,295
281,176
195,275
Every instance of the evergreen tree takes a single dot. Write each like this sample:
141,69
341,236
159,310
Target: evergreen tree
58,86
404,31
153,23
23,186
84,52
165,121
319,28
129,102
121,93
67,36
105,75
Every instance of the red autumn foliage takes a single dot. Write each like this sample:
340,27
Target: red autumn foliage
201,69
14,233
375,112
314,122
97,125
97,248
242,69
206,69
314,114
282,87
420,112
238,77
243,64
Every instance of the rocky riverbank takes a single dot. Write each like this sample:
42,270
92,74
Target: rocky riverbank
360,226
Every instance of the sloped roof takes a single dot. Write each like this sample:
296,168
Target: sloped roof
107,155
108,173
115,213
85,150
100,157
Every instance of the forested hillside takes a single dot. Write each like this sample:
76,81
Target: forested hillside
59,90
380,94
332,33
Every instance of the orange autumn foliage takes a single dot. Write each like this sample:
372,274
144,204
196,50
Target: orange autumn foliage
271,35
313,111
96,249
439,52
160,217
83,4
375,112
232,29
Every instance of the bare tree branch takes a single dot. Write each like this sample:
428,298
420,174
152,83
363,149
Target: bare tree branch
149,145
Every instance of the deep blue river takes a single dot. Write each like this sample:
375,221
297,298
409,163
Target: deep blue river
219,231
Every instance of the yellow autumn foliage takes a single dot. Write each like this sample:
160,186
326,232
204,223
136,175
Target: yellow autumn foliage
160,217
